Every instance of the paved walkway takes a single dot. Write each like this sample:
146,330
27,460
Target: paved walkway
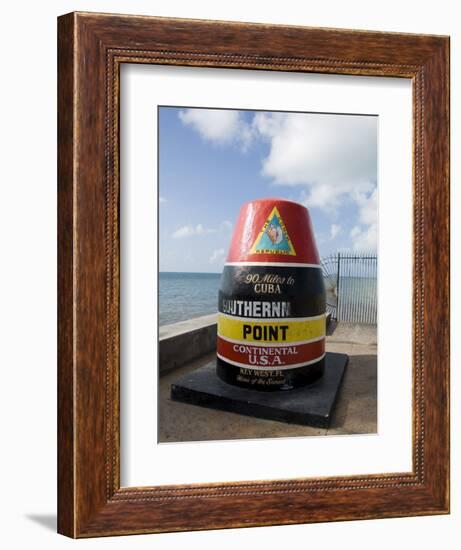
355,413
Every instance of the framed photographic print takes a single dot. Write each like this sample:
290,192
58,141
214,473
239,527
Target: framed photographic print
253,275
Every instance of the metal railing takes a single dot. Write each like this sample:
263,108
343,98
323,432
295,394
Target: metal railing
351,286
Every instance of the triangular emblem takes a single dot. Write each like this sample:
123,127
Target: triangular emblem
273,237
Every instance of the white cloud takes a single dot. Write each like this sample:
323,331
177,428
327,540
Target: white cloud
220,126
191,230
217,257
368,207
330,156
334,230
365,236
199,229
355,231
162,200
365,239
226,225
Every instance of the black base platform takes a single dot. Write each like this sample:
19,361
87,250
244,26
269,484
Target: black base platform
311,405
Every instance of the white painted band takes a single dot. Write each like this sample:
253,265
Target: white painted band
273,264
278,367
276,345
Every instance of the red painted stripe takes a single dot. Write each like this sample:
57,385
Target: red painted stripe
251,219
270,356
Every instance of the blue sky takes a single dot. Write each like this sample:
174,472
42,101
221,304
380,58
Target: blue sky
212,161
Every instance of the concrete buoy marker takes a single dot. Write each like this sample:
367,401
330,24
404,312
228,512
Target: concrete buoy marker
271,309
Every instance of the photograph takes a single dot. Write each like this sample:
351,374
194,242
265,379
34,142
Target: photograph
267,273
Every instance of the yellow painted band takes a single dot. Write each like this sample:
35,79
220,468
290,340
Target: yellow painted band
273,331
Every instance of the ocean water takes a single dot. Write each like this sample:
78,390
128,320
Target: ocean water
184,296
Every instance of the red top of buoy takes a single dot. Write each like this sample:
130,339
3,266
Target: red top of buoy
273,231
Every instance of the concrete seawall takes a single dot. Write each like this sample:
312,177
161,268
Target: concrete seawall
183,342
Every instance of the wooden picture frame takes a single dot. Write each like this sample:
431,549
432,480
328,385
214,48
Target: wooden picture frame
91,49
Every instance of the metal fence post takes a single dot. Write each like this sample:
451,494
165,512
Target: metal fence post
337,287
